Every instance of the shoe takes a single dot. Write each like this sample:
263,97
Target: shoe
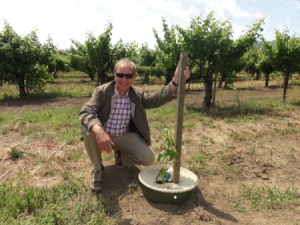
97,181
118,159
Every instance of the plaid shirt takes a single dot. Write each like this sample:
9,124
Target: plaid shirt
119,117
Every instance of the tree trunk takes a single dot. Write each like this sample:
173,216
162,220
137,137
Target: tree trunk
146,78
27,88
285,84
222,79
208,82
102,76
258,73
226,82
91,75
21,85
267,80
169,78
56,74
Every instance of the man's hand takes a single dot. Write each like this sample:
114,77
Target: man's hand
103,139
175,79
186,74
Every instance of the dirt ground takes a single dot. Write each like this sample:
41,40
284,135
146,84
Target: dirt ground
255,157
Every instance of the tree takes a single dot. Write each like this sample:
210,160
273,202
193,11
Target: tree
99,53
286,56
168,50
212,50
251,62
265,56
146,63
125,50
63,62
80,60
23,61
49,56
94,57
205,38
119,50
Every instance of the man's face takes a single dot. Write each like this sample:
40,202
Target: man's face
123,84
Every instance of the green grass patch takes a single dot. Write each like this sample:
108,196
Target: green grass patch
5,119
68,90
70,84
160,117
8,92
266,198
199,164
61,123
69,203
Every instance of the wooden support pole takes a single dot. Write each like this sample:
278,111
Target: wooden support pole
179,116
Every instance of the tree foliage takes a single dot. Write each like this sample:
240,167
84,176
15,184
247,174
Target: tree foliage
94,57
265,55
99,53
213,55
286,56
79,59
146,63
168,50
25,61
212,50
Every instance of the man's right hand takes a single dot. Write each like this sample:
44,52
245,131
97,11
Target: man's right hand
103,139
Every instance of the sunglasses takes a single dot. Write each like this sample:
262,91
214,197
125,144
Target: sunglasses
127,75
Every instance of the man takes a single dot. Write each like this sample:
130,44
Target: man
115,119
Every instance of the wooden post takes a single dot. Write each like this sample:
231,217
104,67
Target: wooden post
179,116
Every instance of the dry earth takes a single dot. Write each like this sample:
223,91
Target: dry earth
246,153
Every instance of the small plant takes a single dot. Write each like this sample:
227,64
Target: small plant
166,155
15,154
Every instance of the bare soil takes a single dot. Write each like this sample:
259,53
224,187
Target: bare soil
246,153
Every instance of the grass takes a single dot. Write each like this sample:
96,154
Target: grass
200,163
69,203
71,84
265,198
61,123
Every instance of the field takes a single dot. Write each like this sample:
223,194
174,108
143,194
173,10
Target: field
245,152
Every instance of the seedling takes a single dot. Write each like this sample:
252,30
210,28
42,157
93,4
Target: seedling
166,155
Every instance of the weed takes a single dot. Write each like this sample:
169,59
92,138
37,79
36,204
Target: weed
292,152
15,154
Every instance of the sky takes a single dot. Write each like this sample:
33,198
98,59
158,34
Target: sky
134,20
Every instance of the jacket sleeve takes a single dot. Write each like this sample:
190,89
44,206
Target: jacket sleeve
88,114
157,99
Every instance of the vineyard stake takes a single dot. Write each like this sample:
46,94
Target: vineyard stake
179,116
